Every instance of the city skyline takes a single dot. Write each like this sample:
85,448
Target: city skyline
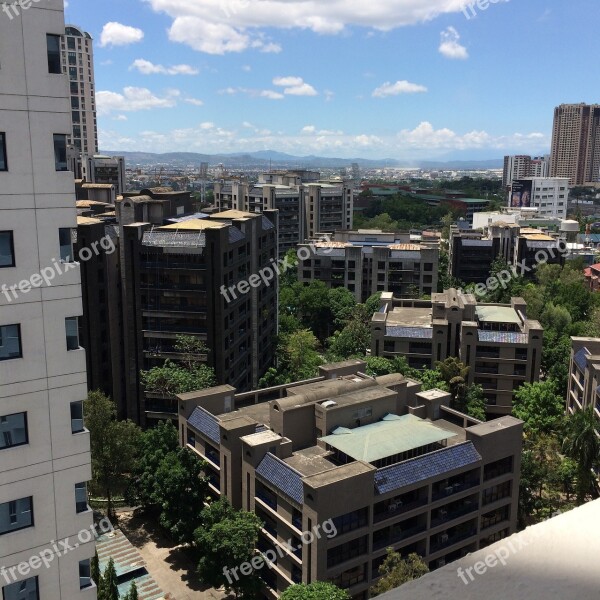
336,79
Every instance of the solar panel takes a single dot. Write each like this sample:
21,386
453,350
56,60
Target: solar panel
205,423
580,358
422,333
282,476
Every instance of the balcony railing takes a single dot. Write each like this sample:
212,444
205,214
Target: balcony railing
444,541
455,488
454,514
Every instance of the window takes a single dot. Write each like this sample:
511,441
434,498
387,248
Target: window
22,590
72,330
77,417
60,151
3,159
13,430
53,42
81,504
7,249
10,342
66,244
15,515
85,573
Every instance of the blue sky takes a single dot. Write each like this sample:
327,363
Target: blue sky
351,78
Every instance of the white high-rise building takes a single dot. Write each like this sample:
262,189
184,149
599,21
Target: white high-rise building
77,50
549,195
44,447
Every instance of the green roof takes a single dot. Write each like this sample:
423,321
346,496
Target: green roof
497,314
394,435
473,200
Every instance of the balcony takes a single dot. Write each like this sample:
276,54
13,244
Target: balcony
398,507
445,541
165,264
395,535
445,516
455,488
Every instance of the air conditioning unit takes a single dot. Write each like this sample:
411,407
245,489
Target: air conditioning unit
444,538
393,506
449,490
441,562
443,512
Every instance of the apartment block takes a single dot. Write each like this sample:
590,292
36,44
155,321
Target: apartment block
584,375
368,262
389,465
107,170
549,195
520,166
575,150
77,53
306,204
179,276
44,446
499,344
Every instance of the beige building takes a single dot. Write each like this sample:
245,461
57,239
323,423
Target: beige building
78,62
584,375
366,262
576,143
502,347
389,465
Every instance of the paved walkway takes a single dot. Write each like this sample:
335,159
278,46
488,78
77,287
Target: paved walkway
169,565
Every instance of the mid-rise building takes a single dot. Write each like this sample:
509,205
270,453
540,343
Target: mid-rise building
389,465
499,344
44,446
575,150
107,170
522,165
367,262
549,195
77,51
306,204
584,375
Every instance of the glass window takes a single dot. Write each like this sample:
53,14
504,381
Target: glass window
22,590
3,159
77,417
53,42
15,515
60,151
10,342
65,240
72,329
7,251
80,498
85,573
13,430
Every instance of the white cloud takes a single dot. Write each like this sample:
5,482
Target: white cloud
133,99
120,118
147,68
400,87
220,26
194,101
295,86
117,34
450,45
309,129
247,68
270,94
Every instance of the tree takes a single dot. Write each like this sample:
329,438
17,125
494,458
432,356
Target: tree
180,490
377,366
113,446
132,594
314,309
539,405
192,349
172,379
95,569
319,590
352,341
583,446
341,304
153,446
109,589
226,539
454,373
396,571
475,404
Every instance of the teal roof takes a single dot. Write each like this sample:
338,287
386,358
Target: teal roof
389,437
473,200
497,314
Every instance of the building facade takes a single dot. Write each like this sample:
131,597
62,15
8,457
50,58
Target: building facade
368,262
584,375
549,195
77,50
575,150
307,206
107,170
499,344
44,446
522,165
388,465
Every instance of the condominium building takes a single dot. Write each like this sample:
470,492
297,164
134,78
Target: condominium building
521,166
306,204
575,150
179,273
44,446
77,51
584,375
549,195
99,169
499,344
368,262
389,465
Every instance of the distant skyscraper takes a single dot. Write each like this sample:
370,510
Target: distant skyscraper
519,166
576,143
78,62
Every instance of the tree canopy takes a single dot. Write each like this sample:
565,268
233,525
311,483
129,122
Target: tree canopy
314,591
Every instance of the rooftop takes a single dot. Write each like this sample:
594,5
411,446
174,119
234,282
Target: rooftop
233,214
498,314
193,225
394,435
412,317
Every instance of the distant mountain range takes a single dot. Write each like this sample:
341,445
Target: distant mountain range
265,158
